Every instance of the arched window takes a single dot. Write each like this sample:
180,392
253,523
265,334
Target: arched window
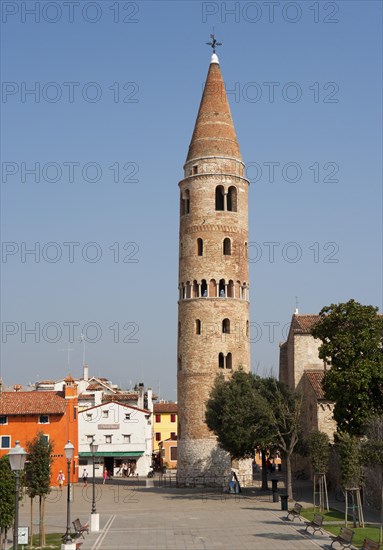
185,202
200,247
179,362
226,326
229,361
227,247
245,291
232,199
198,326
204,288
221,361
245,250
213,288
195,289
222,288
247,328
219,198
238,290
179,329
181,249
230,289
188,290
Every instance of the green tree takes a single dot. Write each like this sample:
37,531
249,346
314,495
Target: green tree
318,447
236,413
284,415
38,473
7,497
318,450
248,412
352,345
349,449
373,455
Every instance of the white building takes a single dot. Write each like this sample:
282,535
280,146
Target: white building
123,434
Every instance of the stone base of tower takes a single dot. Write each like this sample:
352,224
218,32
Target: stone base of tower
201,461
244,470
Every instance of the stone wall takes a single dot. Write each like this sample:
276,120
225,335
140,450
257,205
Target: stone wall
305,355
201,458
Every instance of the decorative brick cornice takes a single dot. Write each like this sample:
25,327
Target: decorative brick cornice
212,228
220,176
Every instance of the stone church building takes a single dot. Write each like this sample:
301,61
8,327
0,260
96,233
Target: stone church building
301,369
213,303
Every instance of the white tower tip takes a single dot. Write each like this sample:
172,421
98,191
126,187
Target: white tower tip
214,58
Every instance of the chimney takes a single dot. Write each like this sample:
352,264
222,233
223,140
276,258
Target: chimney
97,398
70,387
17,387
141,395
86,372
150,399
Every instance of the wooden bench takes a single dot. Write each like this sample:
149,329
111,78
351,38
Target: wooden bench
316,523
369,544
344,538
295,512
80,529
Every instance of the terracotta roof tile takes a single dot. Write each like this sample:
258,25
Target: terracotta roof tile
165,407
303,324
315,377
32,402
120,397
94,386
214,132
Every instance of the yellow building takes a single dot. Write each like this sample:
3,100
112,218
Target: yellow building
165,423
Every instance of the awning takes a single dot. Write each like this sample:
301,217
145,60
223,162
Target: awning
117,454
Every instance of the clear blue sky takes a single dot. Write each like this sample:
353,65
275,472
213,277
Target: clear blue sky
305,92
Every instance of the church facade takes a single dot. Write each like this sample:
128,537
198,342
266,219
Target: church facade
301,369
213,304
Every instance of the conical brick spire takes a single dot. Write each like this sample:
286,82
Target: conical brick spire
214,133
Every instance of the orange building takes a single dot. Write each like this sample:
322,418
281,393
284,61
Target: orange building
25,413
168,453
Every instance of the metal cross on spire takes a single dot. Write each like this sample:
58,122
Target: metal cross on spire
213,42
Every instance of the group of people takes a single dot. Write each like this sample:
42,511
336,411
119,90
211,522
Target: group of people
127,469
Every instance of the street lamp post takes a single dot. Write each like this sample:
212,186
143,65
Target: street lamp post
69,450
17,456
94,517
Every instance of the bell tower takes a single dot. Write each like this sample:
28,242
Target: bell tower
213,306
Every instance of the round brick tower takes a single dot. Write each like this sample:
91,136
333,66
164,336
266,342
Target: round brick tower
213,306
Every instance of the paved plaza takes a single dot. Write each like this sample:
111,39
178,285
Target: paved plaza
133,516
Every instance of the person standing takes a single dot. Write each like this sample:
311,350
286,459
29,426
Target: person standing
85,477
105,475
61,479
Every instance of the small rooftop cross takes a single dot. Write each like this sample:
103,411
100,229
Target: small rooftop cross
68,350
213,43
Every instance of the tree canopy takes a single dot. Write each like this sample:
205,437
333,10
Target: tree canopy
233,413
318,446
352,345
7,496
38,475
38,467
247,412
